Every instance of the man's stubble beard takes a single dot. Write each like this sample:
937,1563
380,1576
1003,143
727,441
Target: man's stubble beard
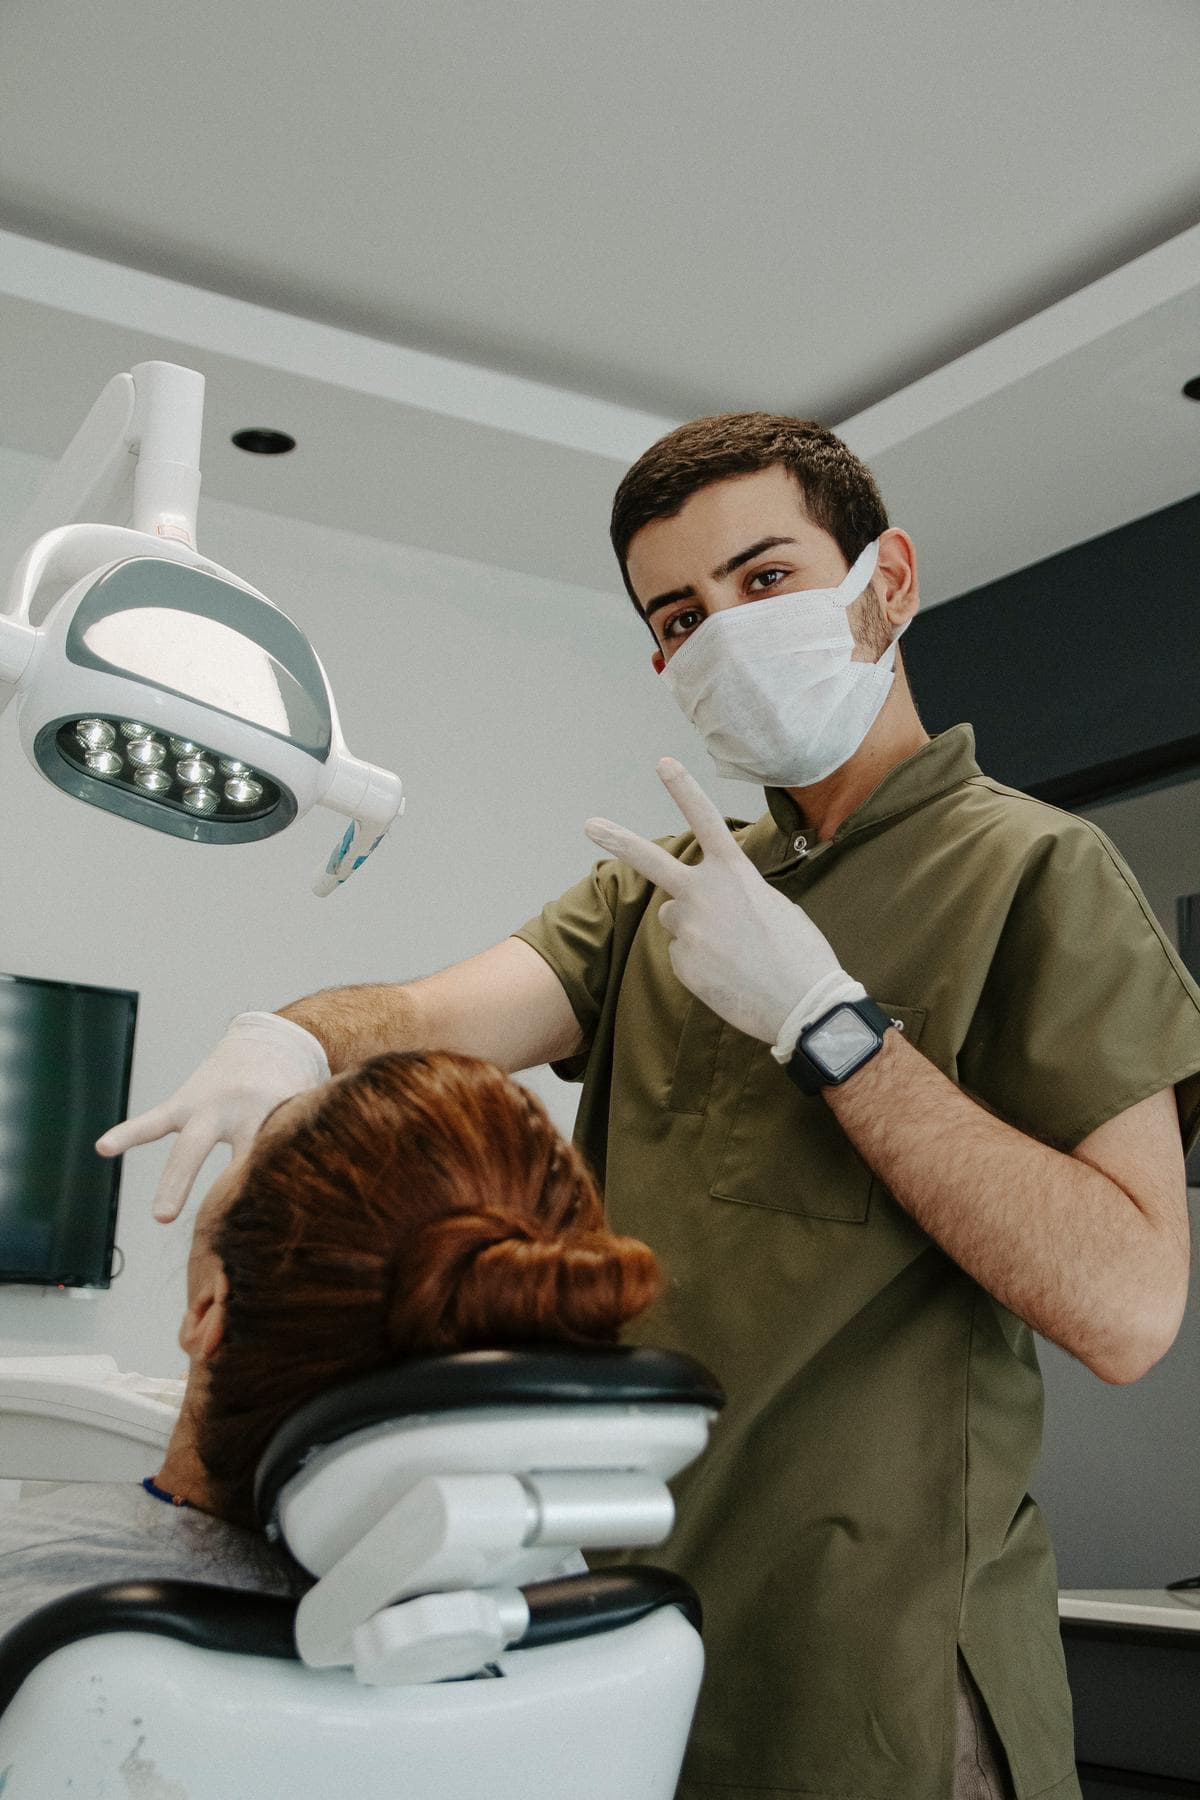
873,632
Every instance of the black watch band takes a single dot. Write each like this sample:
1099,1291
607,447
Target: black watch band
833,1047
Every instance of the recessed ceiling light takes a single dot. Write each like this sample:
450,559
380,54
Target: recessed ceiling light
260,440
1191,388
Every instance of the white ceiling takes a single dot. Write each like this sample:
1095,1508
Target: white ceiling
515,240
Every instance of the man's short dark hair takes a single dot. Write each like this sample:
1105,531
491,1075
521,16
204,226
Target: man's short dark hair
839,491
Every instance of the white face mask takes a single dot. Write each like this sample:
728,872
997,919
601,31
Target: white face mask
772,688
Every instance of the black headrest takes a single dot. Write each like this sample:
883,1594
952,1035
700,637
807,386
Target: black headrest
534,1375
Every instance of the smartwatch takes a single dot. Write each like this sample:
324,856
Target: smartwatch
837,1044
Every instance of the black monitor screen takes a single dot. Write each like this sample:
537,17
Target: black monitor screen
65,1056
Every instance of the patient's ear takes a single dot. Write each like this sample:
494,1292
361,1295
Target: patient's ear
203,1325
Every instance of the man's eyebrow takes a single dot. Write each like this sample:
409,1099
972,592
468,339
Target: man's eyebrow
718,574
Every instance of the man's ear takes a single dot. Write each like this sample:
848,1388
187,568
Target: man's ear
203,1325
658,662
895,579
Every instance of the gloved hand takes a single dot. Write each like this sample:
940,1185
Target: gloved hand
739,945
261,1060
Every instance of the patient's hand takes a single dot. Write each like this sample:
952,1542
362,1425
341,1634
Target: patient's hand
262,1060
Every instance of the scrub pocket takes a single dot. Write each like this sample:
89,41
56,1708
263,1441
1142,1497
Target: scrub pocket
788,1153
695,1059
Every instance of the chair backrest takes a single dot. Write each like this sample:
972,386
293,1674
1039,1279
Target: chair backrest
173,1688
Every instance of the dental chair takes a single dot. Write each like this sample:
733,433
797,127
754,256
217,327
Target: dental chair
452,1645
79,1418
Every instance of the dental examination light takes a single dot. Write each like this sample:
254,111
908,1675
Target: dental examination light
159,685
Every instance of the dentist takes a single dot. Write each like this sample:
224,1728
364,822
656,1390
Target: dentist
891,1079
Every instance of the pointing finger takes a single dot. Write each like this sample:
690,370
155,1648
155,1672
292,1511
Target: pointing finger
712,833
188,1154
650,860
145,1129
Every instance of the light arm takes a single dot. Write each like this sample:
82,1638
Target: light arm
135,460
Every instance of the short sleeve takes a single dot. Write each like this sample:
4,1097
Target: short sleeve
574,935
1086,1009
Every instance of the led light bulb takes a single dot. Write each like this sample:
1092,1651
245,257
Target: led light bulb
229,765
95,734
185,747
147,753
200,800
194,771
131,729
104,762
241,791
152,781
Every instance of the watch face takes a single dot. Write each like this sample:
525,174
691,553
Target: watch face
841,1042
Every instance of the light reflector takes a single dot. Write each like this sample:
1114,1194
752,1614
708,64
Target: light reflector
95,734
241,791
125,754
146,752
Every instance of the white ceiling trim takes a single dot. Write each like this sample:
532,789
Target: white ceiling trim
117,295
1163,274
130,298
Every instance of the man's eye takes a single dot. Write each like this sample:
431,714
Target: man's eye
680,623
769,577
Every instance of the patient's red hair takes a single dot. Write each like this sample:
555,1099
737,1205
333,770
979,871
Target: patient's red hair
426,1203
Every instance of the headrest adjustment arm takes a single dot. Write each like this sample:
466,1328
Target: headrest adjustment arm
457,1532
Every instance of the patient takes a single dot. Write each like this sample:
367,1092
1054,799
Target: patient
422,1203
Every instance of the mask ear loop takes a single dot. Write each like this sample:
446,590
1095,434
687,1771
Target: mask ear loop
856,584
858,577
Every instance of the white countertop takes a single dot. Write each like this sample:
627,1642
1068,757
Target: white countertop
1133,1606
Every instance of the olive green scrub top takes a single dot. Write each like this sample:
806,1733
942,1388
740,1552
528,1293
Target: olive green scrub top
862,1508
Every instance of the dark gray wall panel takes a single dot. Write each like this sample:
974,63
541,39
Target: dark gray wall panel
1081,674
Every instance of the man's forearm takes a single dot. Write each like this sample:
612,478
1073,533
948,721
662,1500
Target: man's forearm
354,1023
505,1005
1053,1239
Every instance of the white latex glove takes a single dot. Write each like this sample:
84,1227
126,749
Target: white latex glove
737,943
261,1060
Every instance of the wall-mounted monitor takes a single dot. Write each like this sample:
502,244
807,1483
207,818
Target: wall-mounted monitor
65,1056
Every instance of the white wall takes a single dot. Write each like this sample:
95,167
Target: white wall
1117,1480
1118,1477
512,708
